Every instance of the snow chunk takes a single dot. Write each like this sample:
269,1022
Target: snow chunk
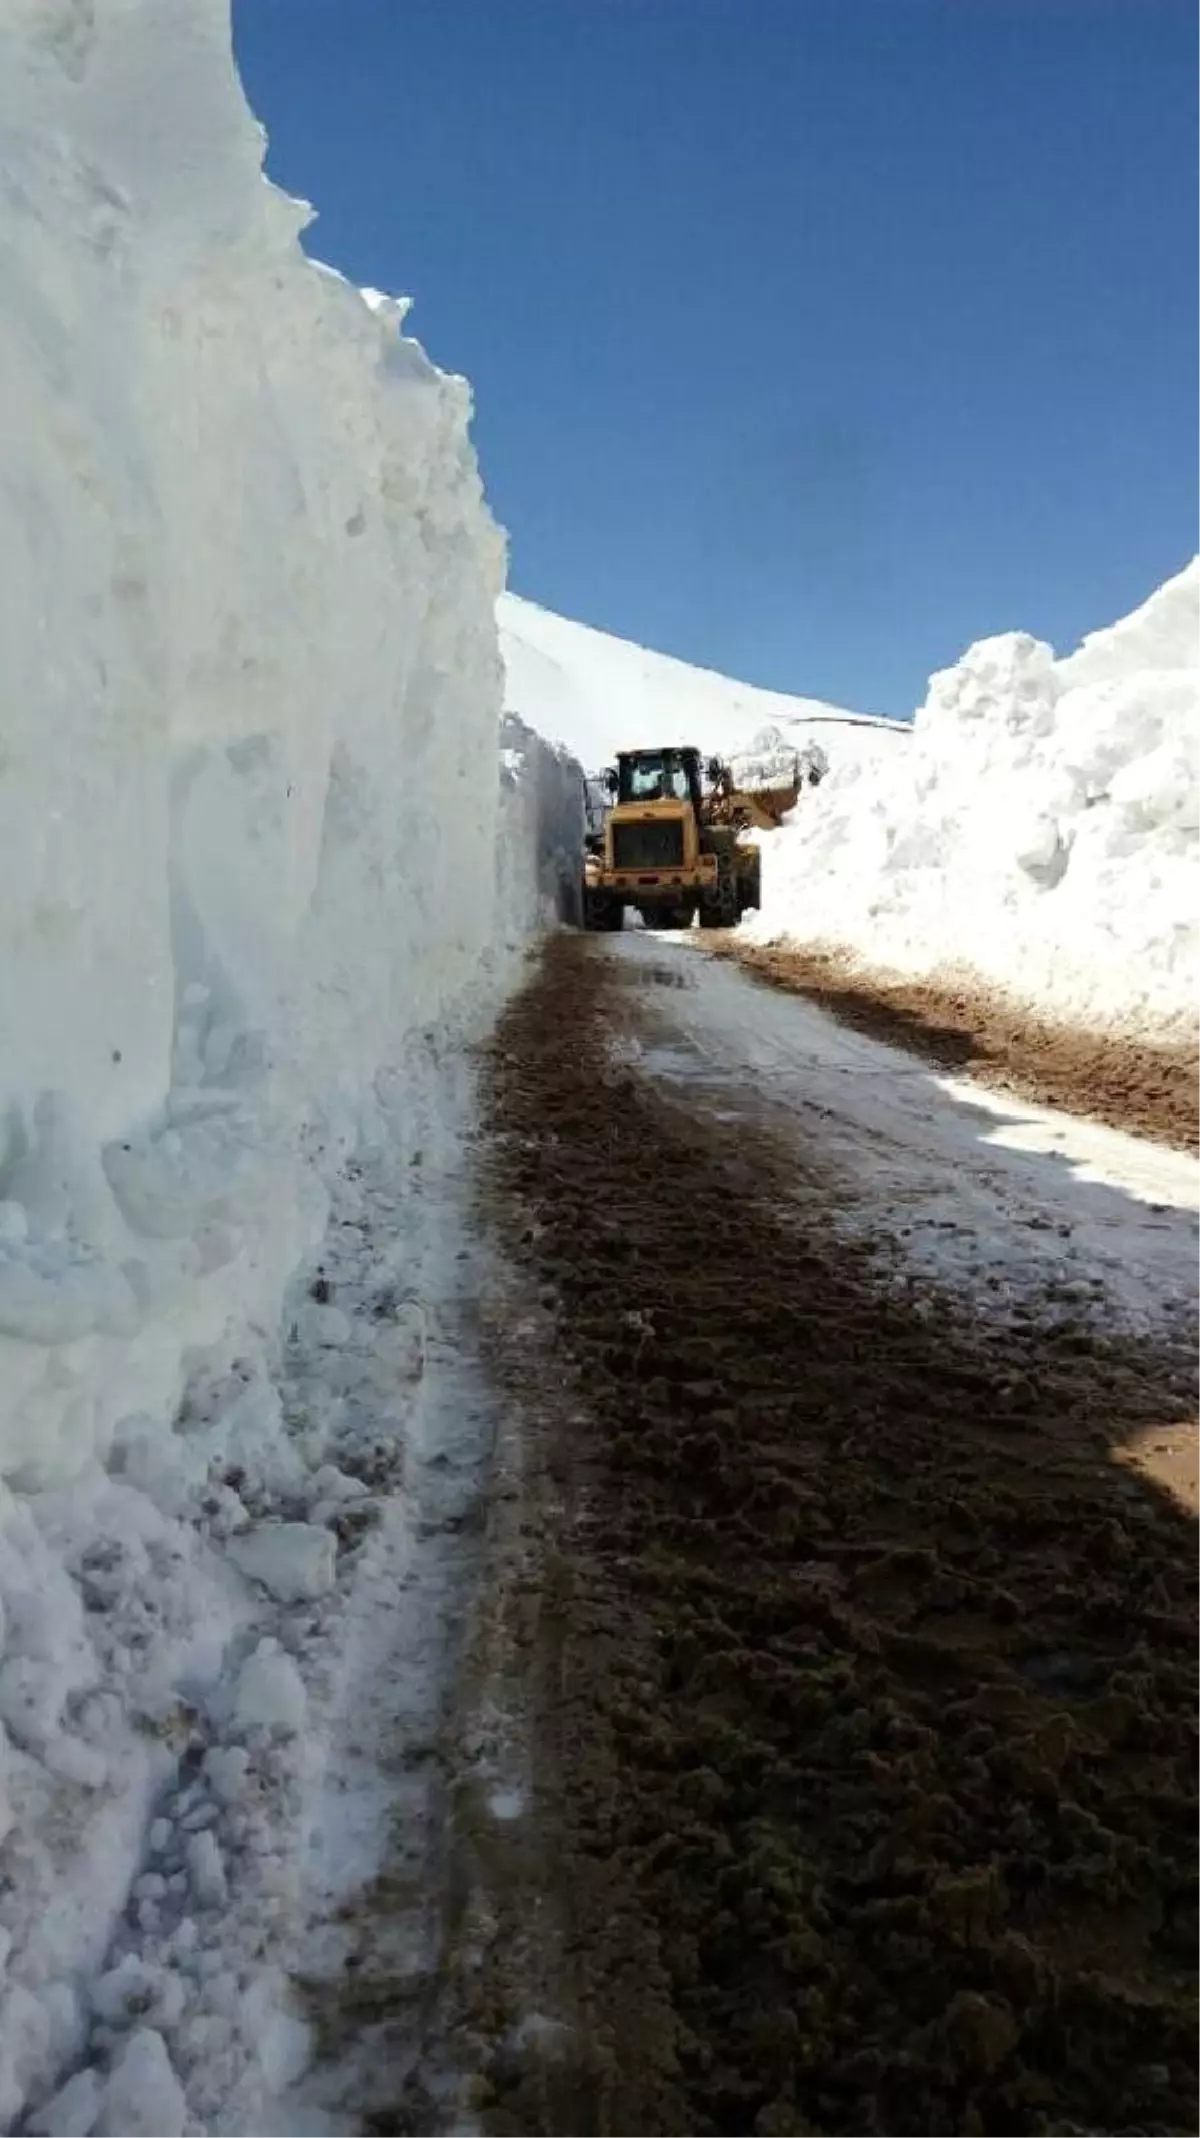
292,1559
225,1771
270,1692
133,1991
772,763
143,2098
72,2111
284,2042
206,1870
25,2033
331,1483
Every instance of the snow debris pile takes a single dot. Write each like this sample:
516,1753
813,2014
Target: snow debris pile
250,815
771,764
1040,831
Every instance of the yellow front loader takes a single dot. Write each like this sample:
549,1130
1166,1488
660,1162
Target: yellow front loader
674,848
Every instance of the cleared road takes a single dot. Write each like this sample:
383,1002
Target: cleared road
836,1651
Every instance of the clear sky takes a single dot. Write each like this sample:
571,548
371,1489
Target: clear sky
811,339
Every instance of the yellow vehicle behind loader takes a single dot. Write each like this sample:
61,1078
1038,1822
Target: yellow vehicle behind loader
674,847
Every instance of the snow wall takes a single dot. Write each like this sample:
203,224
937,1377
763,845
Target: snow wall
257,842
1039,830
248,789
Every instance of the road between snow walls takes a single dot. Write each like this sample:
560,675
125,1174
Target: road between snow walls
834,1694
418,1458
267,864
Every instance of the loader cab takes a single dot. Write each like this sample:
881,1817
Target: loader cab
647,776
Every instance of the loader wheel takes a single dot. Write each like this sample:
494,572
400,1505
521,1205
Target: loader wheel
723,912
750,888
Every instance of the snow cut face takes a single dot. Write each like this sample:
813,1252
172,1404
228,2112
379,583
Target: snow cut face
250,677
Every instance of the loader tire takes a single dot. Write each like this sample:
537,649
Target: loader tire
723,911
750,888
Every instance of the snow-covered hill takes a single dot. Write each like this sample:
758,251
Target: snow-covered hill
598,694
1040,830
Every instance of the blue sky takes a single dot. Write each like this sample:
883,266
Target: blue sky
811,339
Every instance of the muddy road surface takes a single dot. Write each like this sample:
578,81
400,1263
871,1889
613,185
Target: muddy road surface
825,1743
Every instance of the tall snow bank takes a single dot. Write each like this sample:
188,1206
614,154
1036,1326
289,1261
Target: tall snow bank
1041,830
250,676
257,852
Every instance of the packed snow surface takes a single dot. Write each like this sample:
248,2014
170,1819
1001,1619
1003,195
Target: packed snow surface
260,861
1017,1208
597,694
1041,829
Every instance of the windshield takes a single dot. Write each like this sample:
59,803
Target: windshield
656,776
